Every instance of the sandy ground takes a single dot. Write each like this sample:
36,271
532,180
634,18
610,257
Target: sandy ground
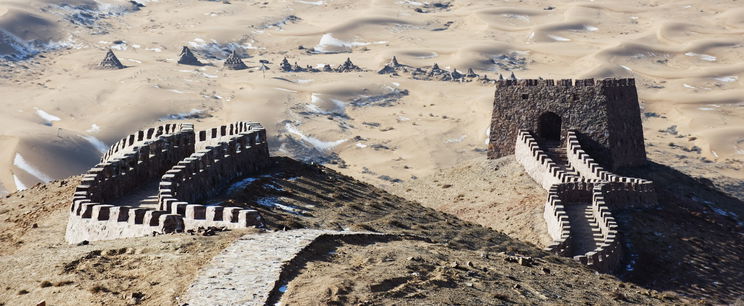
57,110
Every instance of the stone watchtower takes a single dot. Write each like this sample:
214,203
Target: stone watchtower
604,113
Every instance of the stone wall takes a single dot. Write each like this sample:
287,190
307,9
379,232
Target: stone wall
241,150
606,257
536,162
146,156
122,172
603,189
556,219
150,134
605,114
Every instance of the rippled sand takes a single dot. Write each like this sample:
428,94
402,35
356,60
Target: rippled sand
57,112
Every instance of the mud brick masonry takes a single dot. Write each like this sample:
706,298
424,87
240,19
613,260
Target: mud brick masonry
167,154
566,134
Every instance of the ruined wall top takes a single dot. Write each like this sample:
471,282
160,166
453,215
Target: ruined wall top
567,82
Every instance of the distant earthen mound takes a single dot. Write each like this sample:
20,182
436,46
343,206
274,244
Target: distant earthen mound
188,58
233,62
110,61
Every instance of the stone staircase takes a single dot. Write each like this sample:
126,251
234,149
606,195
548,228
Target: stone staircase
558,154
585,230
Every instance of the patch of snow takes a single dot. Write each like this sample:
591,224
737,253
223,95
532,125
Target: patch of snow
590,28
688,86
100,146
705,57
330,44
317,143
94,128
311,2
727,79
361,145
558,38
47,117
303,81
626,68
25,166
454,140
20,49
193,113
19,185
134,60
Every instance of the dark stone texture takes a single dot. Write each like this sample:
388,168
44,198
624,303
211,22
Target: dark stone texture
605,114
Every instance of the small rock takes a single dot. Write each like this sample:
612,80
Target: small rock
84,242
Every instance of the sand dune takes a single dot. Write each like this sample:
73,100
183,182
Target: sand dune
686,57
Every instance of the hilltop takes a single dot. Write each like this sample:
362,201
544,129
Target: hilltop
439,258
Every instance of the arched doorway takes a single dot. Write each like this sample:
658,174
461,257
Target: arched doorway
549,126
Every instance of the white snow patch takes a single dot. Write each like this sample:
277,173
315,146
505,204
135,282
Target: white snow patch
590,28
705,57
361,145
25,166
48,118
303,81
455,140
317,143
626,68
727,79
157,50
688,86
19,185
558,38
330,44
311,2
134,60
94,128
98,144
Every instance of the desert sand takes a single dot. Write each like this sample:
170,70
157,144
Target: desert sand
59,112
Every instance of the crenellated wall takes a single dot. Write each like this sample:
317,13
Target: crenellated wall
603,190
91,218
537,163
146,156
241,150
150,134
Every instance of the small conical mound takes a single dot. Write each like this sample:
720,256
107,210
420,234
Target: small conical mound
512,76
501,77
471,73
233,62
285,65
327,68
348,66
188,58
394,63
456,74
110,61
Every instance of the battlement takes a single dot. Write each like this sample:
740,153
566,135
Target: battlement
242,149
164,153
566,83
145,135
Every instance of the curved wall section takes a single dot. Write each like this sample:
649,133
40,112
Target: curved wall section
232,151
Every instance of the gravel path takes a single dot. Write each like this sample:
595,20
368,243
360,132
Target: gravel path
246,272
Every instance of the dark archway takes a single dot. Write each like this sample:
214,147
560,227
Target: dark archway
549,126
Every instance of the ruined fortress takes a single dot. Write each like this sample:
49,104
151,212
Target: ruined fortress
569,136
152,181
